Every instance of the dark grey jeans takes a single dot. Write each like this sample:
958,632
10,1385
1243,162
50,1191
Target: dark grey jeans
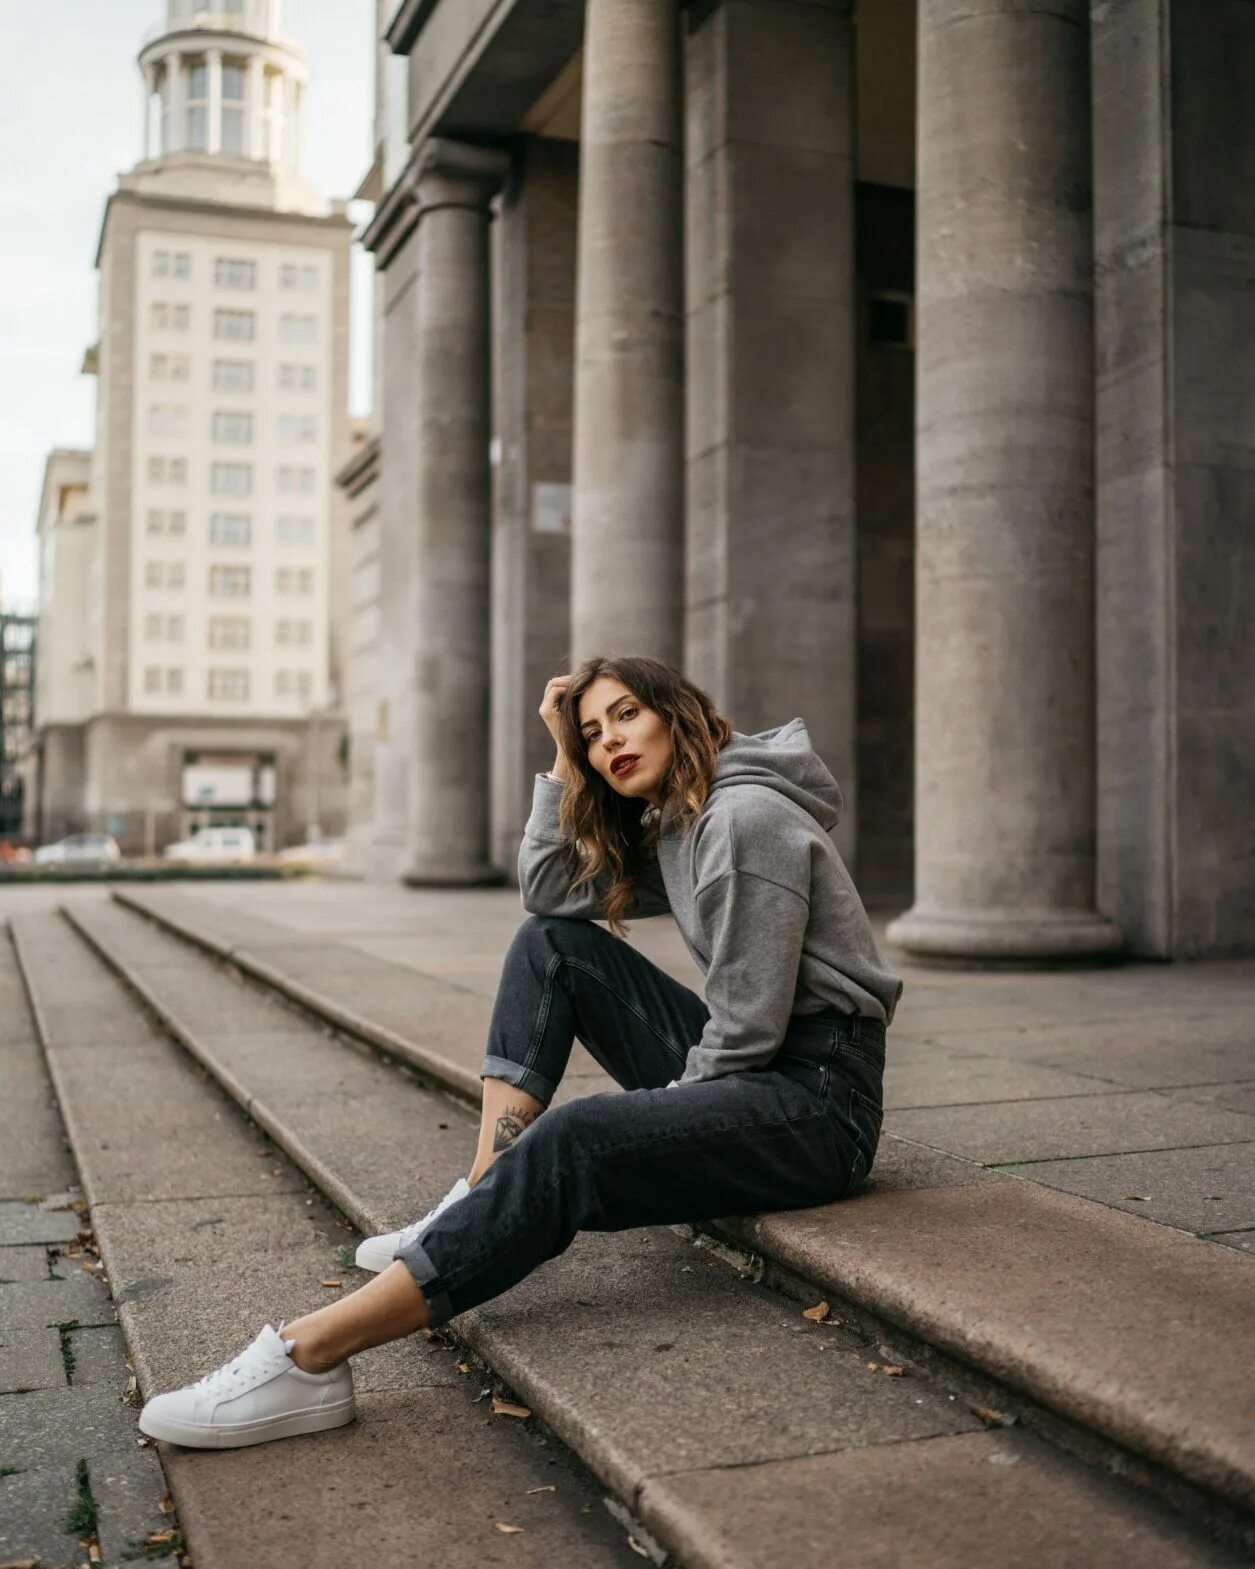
801,1131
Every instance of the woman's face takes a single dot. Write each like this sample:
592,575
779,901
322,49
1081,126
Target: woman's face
615,726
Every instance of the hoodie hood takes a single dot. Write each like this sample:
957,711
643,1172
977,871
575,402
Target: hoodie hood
783,759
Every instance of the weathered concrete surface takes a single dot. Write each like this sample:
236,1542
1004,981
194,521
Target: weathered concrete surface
1026,1506
627,566
1005,827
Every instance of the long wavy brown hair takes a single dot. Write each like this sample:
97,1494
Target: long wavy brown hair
613,834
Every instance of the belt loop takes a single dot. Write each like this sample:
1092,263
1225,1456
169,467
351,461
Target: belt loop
857,1030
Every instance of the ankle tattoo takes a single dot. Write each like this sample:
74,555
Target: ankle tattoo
510,1124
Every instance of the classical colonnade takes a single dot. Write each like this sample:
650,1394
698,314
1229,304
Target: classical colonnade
700,290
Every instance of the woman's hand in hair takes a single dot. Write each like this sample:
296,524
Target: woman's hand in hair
555,691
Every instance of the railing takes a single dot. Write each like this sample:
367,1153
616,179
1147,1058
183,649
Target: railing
251,24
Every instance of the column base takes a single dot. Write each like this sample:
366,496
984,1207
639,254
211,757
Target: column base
1006,935
473,874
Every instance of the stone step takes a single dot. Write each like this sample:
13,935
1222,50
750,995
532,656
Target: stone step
206,1232
1083,1318
697,1397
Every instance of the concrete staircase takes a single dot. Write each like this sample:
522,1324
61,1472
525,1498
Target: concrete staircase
1054,1391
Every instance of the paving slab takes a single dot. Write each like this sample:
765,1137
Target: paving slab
36,1304
23,1263
29,1358
33,1223
409,1482
1235,1239
1200,1190
99,1358
36,1163
50,1431
1237,1096
34,1508
900,1165
955,1081
1105,1124
1023,1504
1098,1310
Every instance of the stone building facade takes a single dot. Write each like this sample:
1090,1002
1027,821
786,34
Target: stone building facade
882,363
204,663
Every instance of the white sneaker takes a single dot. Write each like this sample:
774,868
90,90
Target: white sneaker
259,1395
376,1253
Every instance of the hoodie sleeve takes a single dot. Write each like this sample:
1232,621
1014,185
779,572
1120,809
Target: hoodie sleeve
545,883
756,926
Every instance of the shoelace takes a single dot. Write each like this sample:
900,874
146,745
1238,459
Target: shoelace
234,1371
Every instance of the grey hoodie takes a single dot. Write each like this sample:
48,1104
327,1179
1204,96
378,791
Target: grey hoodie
762,899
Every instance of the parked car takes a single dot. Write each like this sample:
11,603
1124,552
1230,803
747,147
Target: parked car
81,847
314,852
214,844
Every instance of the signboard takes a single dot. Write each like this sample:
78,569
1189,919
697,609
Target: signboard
217,785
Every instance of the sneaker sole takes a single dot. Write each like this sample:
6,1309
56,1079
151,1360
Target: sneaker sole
316,1419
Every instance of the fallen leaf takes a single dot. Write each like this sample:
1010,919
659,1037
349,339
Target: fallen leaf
817,1314
550,1489
988,1414
130,1392
93,1552
502,1407
1138,1198
637,1548
263,1154
333,1282
20,1563
144,1443
893,1371
160,1536
873,1367
463,1367
509,1530
166,1506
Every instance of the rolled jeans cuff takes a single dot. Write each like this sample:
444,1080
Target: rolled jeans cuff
526,1079
418,1261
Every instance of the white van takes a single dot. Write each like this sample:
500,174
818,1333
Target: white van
214,844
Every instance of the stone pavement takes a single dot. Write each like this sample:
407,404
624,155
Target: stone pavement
1092,1308
75,1484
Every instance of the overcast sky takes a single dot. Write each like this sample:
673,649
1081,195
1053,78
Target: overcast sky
70,121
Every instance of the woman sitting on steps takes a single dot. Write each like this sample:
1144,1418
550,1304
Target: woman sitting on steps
766,1096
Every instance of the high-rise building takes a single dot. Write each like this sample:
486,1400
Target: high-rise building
213,612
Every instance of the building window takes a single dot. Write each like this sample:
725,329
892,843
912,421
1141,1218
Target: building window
176,524
283,631
295,481
177,264
174,679
304,684
296,429
232,273
298,329
300,633
174,629
230,528
304,633
152,678
233,97
155,523
291,530
233,376
198,108
154,574
283,683
159,316
232,425
152,628
161,264
229,632
229,685
158,367
241,326
294,580
297,378
231,479
180,367
230,582
168,419
167,471
303,277
175,573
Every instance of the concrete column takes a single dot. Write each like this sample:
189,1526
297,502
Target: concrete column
770,593
213,59
1005,789
274,134
534,238
448,784
256,143
628,546
148,87
177,88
